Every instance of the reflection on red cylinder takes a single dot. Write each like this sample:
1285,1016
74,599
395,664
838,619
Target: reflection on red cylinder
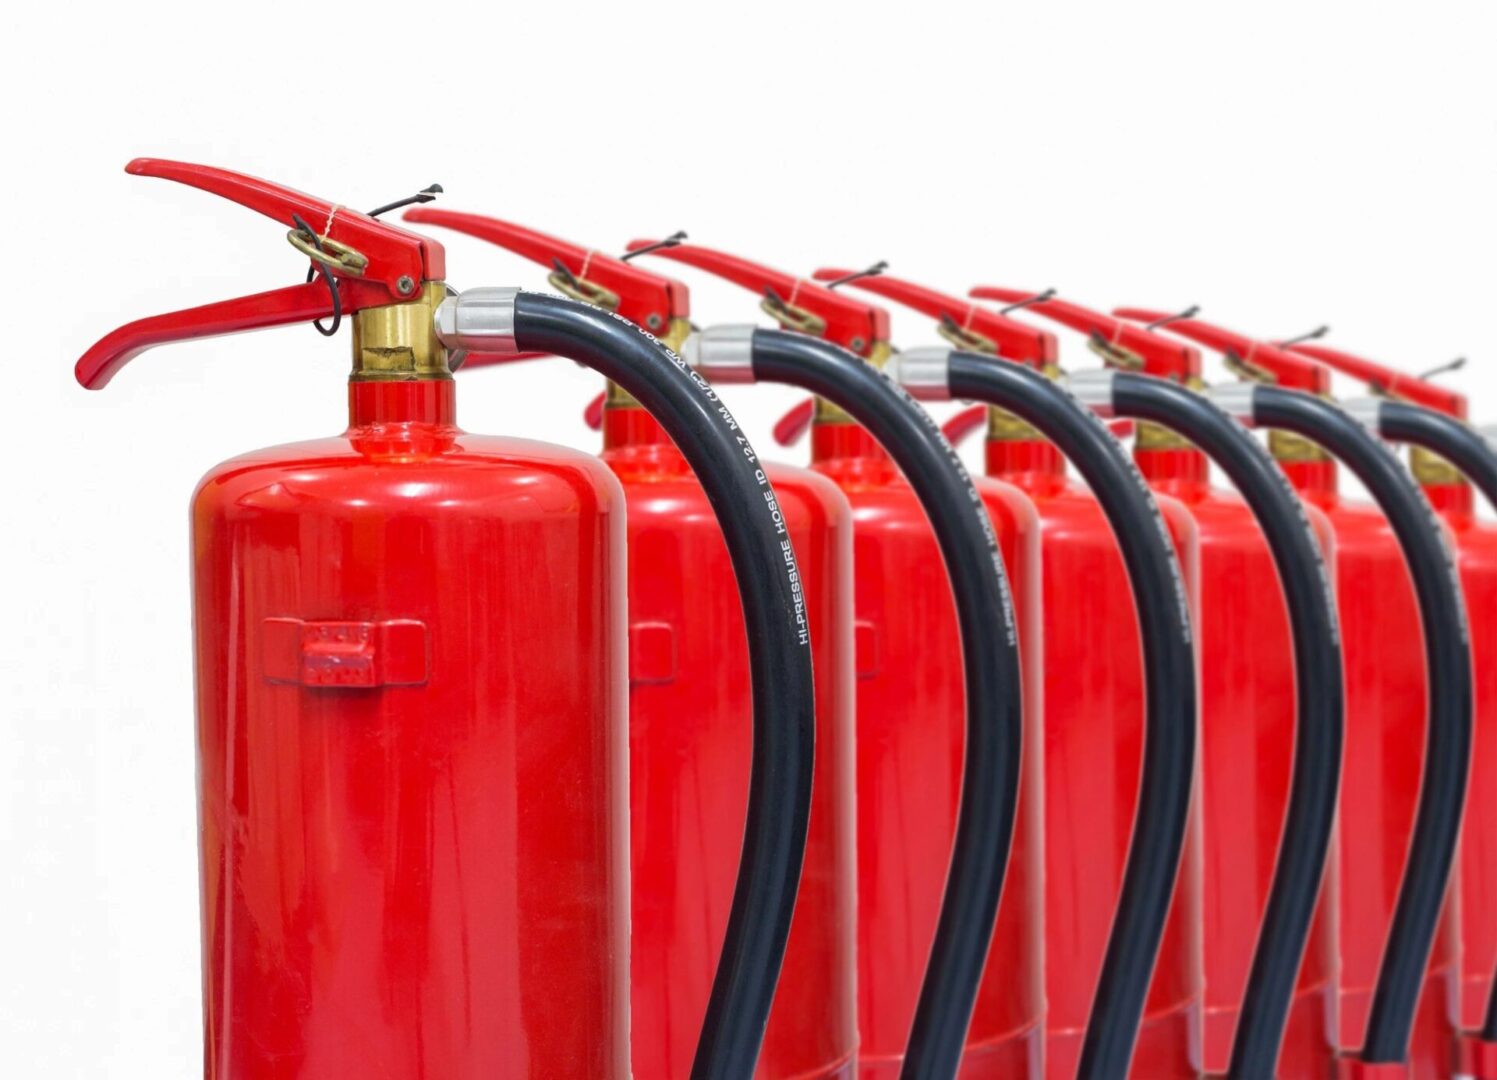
411,734
1094,710
1248,718
911,729
1386,720
689,736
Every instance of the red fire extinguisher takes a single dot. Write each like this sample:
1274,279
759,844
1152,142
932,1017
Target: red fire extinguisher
689,709
1387,703
1094,717
1475,543
410,658
909,714
1247,706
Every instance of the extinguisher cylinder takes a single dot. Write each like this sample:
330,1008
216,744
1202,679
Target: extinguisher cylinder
1442,794
990,655
497,320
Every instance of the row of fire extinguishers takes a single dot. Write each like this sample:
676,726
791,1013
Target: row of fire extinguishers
520,762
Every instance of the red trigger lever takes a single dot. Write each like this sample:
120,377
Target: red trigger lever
371,263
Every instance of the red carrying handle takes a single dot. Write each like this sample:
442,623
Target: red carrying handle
847,322
1409,387
1286,369
1006,337
382,264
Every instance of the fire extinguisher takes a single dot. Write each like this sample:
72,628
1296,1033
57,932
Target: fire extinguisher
1095,726
1446,448
689,708
1248,689
1399,827
410,651
923,777
1450,492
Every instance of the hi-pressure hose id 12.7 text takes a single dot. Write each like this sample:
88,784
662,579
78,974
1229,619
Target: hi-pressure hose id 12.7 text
1476,458
1442,792
1163,608
1310,817
779,803
990,656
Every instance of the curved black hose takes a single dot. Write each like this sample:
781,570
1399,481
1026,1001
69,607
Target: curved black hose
779,802
1469,452
1169,679
990,659
1310,818
1442,792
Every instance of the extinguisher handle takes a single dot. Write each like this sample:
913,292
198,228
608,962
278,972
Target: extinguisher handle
789,429
1385,379
642,297
1157,354
369,262
592,415
795,303
1272,363
987,331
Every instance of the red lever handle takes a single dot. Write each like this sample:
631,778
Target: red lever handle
1288,370
1161,355
847,322
1410,387
383,265
650,300
592,416
790,427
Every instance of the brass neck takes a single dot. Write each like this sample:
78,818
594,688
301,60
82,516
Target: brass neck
398,342
1431,470
1004,426
1289,447
1152,436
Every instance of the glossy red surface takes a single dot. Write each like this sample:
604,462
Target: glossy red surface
1248,718
1094,709
413,878
690,725
1384,759
1476,555
910,726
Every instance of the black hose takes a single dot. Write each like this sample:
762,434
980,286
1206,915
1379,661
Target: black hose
1310,818
990,659
1164,795
1469,452
774,610
1442,793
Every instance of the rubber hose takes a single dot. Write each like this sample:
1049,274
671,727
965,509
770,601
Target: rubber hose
1310,817
779,802
1469,452
990,660
1164,796
1442,793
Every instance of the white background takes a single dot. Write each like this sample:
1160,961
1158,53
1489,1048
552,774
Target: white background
1283,164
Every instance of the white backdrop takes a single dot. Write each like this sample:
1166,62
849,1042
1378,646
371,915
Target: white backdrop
1283,164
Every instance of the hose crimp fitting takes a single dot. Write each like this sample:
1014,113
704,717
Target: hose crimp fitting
1237,400
1476,1059
478,320
924,372
1367,411
722,354
1094,389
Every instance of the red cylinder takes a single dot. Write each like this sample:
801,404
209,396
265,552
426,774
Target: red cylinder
689,737
911,726
1475,545
1249,717
1386,720
1094,712
412,755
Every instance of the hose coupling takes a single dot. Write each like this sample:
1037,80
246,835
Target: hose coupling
478,320
923,372
722,354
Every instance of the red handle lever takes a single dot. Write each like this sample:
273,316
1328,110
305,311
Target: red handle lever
1009,338
790,427
1288,370
1161,355
1410,387
592,416
650,300
840,319
381,264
